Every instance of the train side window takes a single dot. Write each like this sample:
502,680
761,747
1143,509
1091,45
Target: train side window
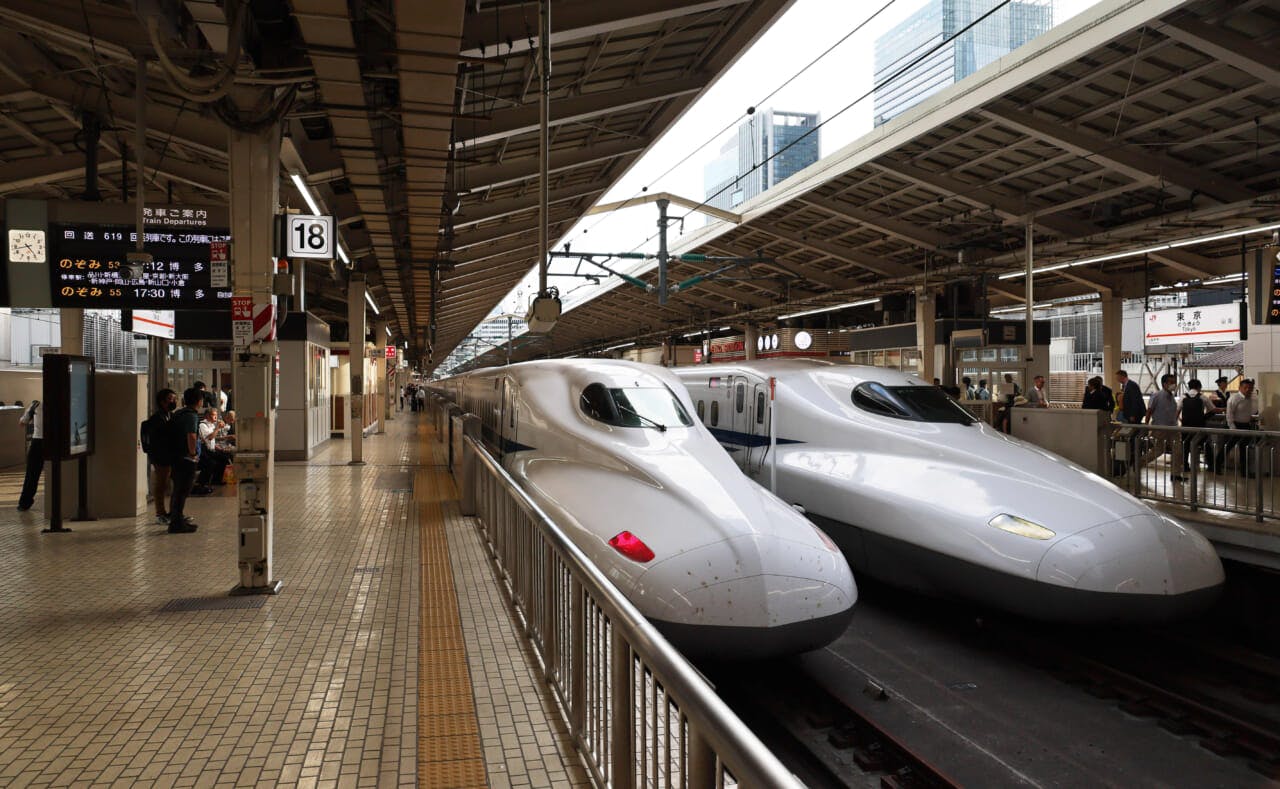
702,410
740,397
759,408
597,404
715,412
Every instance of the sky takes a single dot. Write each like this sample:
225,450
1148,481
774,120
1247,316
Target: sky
837,87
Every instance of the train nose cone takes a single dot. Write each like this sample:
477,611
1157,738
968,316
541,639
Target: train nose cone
751,596
1146,556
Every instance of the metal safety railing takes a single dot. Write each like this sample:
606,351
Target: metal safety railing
639,713
1202,468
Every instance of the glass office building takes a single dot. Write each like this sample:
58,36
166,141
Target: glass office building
927,52
741,171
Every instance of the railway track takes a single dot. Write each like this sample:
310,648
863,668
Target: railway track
821,738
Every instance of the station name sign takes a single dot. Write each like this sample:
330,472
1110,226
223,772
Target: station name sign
1187,325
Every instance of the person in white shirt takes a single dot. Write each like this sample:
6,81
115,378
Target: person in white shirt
33,418
1036,397
213,461
1242,408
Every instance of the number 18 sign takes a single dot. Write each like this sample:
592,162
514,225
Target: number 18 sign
309,236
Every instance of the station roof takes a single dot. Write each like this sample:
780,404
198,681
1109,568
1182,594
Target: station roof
1137,123
413,122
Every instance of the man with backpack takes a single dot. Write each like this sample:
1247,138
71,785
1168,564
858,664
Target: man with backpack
1194,411
153,435
183,447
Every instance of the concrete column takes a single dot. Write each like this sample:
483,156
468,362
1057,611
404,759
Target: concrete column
926,332
750,335
71,330
355,337
384,400
1112,335
254,168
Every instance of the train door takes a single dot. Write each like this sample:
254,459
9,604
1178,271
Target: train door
509,418
740,419
760,412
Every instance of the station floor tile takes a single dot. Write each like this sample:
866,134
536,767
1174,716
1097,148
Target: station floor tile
121,662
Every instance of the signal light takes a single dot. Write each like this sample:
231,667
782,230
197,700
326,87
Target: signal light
631,546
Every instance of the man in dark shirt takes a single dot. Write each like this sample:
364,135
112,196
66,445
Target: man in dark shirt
184,429
1132,407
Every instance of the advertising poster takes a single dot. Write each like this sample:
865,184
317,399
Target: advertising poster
79,406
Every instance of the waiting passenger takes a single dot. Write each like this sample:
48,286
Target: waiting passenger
184,455
1132,407
1098,396
982,393
421,397
33,420
1218,419
1242,410
153,434
1194,411
1163,411
213,461
1036,397
969,391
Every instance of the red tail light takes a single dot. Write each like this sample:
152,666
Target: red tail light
631,546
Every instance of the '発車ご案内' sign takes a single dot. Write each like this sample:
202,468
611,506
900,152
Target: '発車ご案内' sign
1192,325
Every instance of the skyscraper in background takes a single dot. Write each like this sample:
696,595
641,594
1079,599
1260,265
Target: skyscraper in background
737,174
939,21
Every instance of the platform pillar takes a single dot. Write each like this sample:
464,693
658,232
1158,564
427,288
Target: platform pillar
380,372
355,337
750,333
926,333
1112,336
254,168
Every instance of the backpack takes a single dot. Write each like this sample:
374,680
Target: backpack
1193,412
151,433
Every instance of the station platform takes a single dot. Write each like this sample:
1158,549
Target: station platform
389,658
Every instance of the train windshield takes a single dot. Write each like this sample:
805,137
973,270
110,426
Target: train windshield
654,407
917,403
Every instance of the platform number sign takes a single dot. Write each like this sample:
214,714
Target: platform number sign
310,237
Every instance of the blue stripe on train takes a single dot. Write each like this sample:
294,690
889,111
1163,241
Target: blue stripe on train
746,439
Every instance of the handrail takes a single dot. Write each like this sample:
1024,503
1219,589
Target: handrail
639,660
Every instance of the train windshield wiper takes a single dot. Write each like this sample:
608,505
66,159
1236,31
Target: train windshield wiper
661,427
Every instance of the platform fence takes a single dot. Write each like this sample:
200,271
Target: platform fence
1223,469
640,714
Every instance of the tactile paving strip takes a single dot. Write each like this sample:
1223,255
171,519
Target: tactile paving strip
449,752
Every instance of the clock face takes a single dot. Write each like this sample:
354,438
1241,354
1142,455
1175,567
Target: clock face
26,246
804,340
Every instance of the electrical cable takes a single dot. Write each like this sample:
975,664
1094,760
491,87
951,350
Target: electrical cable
214,86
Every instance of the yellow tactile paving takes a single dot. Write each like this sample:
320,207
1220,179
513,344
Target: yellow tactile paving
449,750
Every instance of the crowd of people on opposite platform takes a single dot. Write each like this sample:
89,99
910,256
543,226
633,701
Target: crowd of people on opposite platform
416,395
1193,407
188,449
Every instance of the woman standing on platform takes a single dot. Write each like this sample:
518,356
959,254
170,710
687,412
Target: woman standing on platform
33,419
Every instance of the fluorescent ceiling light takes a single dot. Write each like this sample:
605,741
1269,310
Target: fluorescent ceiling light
373,306
862,303
342,254
305,191
388,328
1182,242
616,347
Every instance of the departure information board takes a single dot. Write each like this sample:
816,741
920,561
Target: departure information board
88,264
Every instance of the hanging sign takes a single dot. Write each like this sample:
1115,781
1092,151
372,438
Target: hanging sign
241,321
1184,325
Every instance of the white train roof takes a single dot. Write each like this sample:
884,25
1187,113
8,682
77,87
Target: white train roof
784,369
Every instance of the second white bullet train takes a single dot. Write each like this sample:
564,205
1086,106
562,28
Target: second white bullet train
610,450
923,496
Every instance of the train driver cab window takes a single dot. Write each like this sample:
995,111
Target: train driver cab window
914,403
759,408
715,412
739,397
655,407
702,410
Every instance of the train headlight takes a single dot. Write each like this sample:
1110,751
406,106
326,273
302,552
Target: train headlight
1020,526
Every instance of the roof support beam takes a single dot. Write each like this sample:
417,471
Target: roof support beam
904,231
1124,159
25,173
487,176
1227,46
524,119
506,31
501,231
843,254
483,212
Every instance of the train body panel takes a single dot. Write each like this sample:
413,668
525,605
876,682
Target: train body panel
950,507
735,571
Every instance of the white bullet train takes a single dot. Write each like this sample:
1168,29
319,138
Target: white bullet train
610,450
922,496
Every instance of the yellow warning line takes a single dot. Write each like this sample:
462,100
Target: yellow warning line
449,752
